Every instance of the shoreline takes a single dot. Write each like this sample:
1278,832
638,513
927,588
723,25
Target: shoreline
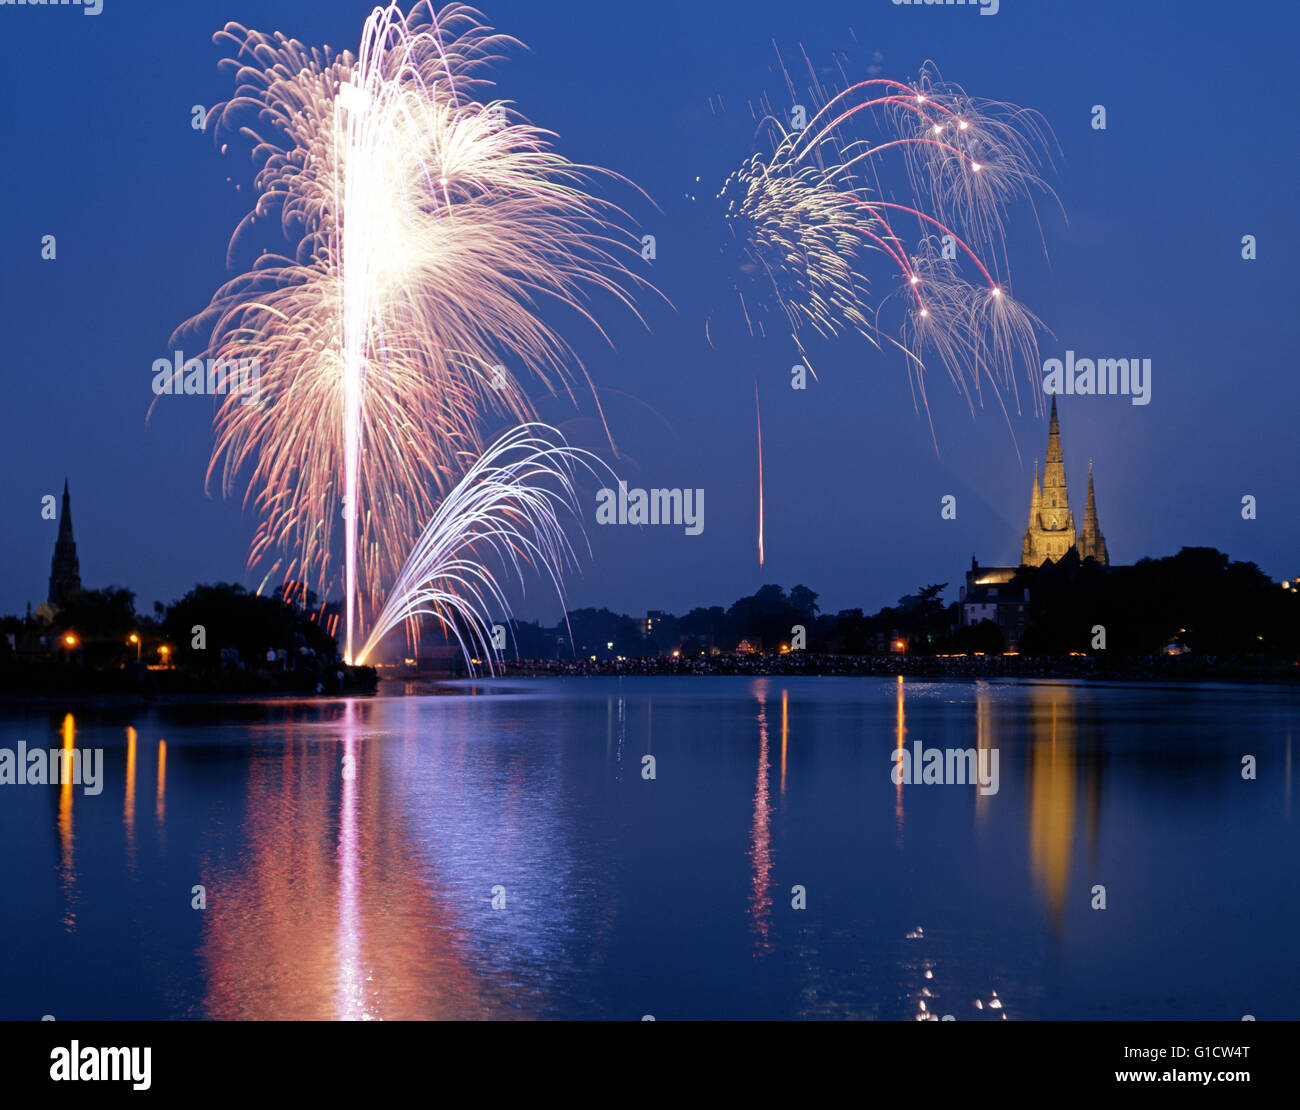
1154,671
1160,669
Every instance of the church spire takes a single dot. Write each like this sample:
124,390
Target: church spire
65,515
65,570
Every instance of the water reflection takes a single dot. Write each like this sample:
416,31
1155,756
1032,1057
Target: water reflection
760,835
785,732
985,741
352,853
128,801
272,924
365,888
1052,783
900,731
350,1003
160,802
67,868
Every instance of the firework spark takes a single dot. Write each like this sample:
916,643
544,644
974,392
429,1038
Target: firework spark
507,507
428,224
808,214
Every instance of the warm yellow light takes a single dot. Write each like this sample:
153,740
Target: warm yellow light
133,638
70,640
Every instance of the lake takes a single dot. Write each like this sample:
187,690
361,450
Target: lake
500,850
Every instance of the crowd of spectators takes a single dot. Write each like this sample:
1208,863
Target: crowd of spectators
1150,667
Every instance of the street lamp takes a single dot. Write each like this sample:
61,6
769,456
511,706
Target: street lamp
135,639
164,651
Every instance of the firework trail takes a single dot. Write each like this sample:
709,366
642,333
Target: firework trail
758,417
428,224
807,215
508,506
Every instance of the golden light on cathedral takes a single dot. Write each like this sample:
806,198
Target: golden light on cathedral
1051,533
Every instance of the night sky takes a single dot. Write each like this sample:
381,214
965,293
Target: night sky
1199,150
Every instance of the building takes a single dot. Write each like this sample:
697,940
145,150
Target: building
1050,536
989,596
65,571
652,620
1051,531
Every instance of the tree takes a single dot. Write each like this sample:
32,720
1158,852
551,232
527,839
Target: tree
804,602
251,624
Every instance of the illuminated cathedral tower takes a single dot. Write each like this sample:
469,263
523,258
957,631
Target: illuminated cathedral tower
65,571
1051,532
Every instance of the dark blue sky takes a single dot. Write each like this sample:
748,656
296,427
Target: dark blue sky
1199,151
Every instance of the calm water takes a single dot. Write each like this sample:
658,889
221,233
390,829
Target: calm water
350,852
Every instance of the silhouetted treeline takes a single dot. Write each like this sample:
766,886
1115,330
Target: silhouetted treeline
1198,600
217,638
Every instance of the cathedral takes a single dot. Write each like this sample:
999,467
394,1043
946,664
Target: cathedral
1051,532
992,593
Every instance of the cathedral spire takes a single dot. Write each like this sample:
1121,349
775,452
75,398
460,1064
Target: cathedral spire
1092,544
1051,532
1035,507
1053,437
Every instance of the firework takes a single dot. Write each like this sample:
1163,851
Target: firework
506,509
427,224
809,215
